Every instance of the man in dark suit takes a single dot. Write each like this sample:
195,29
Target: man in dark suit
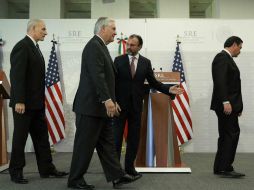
227,104
94,105
27,76
132,70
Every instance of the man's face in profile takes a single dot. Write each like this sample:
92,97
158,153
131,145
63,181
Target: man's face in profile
236,49
110,32
40,31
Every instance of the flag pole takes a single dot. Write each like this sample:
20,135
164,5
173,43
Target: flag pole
54,40
1,42
178,39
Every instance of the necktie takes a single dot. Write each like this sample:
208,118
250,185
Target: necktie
133,67
38,48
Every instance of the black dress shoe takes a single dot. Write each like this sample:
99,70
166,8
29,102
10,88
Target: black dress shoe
123,180
229,174
54,173
82,185
135,175
19,179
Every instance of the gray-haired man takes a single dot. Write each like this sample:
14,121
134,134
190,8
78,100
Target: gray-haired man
94,105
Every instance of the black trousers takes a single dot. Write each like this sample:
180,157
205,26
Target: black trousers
91,133
33,122
134,125
229,132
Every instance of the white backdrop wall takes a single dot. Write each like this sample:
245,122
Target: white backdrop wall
201,40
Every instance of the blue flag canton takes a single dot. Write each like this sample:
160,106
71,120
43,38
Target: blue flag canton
52,74
178,65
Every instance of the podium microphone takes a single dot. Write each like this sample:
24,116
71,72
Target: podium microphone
153,69
161,69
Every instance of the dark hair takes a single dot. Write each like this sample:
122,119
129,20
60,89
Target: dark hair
140,41
231,40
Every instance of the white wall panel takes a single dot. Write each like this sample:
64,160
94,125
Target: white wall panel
201,40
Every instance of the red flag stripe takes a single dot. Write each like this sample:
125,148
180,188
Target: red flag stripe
52,127
55,101
185,94
181,120
185,105
179,136
184,110
50,106
181,132
57,107
182,115
54,120
58,91
54,124
52,136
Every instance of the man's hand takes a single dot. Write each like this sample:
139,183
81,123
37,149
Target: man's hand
176,90
20,108
118,110
110,107
227,108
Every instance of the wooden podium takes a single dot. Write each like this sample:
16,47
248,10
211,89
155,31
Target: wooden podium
167,155
4,94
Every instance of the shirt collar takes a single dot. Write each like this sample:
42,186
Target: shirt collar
136,56
228,52
32,39
100,38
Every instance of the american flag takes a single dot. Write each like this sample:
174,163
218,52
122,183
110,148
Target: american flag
181,104
54,100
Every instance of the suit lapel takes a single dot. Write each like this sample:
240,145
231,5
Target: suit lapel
127,65
109,57
139,65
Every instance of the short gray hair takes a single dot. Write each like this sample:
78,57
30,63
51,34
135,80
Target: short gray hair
102,22
31,23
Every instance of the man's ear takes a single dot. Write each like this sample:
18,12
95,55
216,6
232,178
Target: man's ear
234,44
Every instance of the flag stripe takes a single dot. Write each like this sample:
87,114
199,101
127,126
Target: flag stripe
51,133
179,137
51,119
54,134
54,119
59,92
185,94
56,100
54,106
184,110
181,119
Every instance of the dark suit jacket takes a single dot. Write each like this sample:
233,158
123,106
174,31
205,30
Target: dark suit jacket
97,80
27,75
227,83
131,91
